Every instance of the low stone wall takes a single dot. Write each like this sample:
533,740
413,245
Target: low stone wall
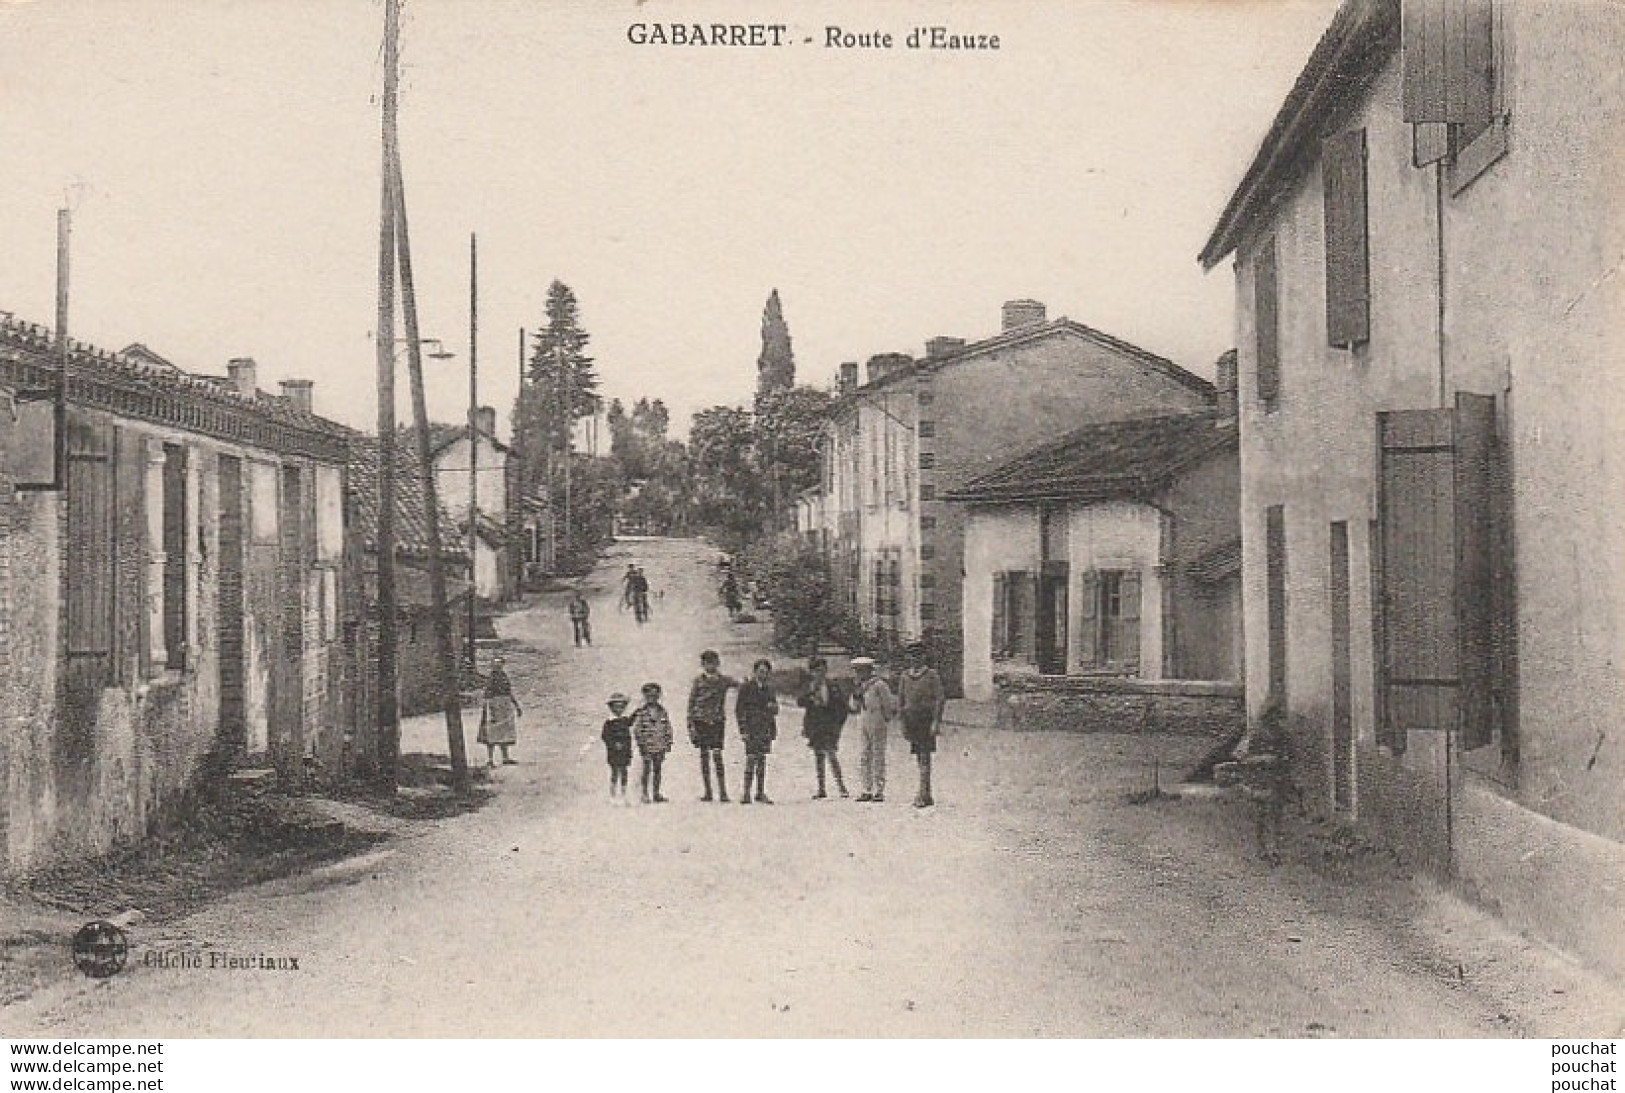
1113,704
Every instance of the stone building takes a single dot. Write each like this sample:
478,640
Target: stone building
917,428
172,575
1432,462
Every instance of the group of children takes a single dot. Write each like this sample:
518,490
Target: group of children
756,709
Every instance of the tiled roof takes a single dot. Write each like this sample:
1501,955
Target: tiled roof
411,519
1036,332
1359,41
135,386
1110,461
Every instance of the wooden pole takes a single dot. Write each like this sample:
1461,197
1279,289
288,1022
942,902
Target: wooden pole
445,644
473,424
389,729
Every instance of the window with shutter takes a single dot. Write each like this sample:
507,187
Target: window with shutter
1266,319
1001,626
1128,621
1275,597
175,555
88,574
1089,612
1439,634
1454,82
1348,280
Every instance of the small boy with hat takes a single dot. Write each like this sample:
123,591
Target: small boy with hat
617,736
651,728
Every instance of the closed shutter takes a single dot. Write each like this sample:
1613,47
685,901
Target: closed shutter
1129,619
1448,62
1267,318
1001,621
1348,279
175,551
1275,597
1089,613
1437,509
87,576
1027,639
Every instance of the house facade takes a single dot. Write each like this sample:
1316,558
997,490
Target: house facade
917,428
1432,463
171,585
461,460
1112,552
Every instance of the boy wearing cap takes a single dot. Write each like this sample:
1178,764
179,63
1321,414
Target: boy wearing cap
921,699
617,736
651,728
876,708
707,718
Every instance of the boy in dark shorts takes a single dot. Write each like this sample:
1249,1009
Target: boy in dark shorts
707,718
617,736
921,698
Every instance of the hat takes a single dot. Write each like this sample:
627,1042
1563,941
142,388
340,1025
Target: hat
618,699
863,662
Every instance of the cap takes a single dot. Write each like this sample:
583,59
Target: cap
618,699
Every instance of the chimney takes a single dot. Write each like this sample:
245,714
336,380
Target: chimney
1224,383
297,392
241,371
943,347
485,421
1022,313
849,378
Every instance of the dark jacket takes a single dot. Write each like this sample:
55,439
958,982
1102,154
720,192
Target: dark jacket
617,737
823,721
756,710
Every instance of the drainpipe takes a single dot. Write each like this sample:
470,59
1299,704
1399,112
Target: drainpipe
1451,739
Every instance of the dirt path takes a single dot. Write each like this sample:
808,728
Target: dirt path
1034,900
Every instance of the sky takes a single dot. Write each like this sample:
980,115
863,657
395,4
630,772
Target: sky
221,161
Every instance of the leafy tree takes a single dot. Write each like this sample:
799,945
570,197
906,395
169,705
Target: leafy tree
789,430
776,366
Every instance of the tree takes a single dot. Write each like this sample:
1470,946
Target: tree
776,366
730,495
562,376
789,429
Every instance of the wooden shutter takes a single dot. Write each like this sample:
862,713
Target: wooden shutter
1348,279
1089,613
1266,316
1028,638
175,555
1275,597
1001,621
1437,511
87,575
1128,598
1448,60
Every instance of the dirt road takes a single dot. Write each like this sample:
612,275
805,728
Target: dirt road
1034,900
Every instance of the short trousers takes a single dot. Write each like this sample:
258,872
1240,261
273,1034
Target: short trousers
707,736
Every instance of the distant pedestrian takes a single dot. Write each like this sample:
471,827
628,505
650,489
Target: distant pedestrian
825,702
757,709
651,728
707,720
730,594
617,736
921,699
626,585
876,707
639,587
499,715
580,618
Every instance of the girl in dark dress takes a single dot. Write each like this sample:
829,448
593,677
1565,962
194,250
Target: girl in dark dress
757,710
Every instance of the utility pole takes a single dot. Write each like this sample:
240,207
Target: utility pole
473,424
389,729
445,646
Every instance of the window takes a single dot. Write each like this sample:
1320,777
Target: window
927,461
174,556
928,492
1348,278
1455,82
1110,631
88,574
927,429
1266,320
1015,598
1275,597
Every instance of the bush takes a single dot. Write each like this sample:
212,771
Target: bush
795,579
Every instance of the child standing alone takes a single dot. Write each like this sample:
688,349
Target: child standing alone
617,737
651,728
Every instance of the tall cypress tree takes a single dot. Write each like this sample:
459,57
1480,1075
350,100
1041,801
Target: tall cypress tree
776,366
